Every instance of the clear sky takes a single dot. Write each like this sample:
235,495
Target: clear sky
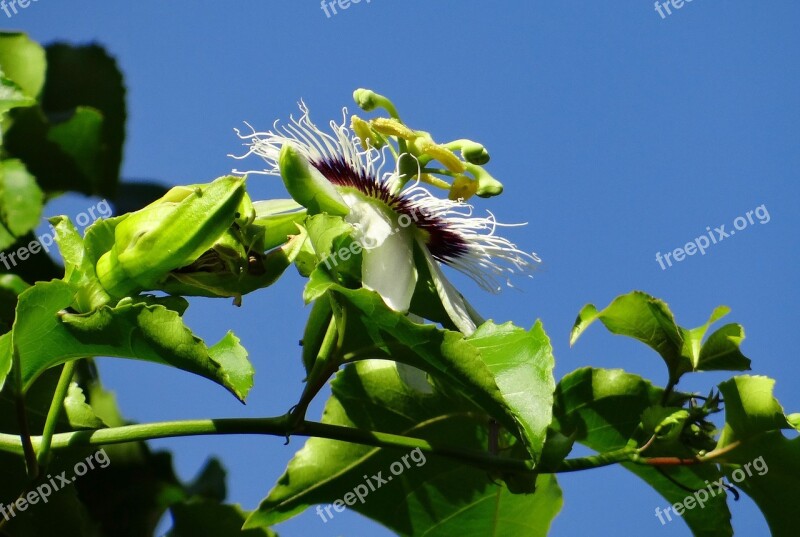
618,133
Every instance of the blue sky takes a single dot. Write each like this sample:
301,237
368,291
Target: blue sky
617,133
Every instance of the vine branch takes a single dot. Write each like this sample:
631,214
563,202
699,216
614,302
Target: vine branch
284,426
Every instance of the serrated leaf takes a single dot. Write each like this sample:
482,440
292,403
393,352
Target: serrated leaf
649,320
721,351
766,466
445,354
371,395
45,337
602,409
693,339
522,364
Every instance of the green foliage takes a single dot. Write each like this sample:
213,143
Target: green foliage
373,395
604,410
649,320
439,423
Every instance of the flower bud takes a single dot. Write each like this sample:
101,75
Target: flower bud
488,186
366,99
474,153
168,234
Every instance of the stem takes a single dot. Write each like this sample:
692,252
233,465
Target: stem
275,426
25,438
596,461
324,366
283,426
677,461
55,411
668,389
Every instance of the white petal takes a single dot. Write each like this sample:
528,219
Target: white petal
460,311
388,264
373,224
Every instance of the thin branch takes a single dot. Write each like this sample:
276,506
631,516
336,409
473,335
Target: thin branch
55,411
26,440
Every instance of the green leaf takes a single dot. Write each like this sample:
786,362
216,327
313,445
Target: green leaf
603,410
74,140
11,286
330,235
766,466
641,317
376,331
79,413
210,483
78,266
23,61
39,266
80,76
314,334
721,351
81,138
280,219
750,408
21,203
46,336
649,320
204,518
54,168
693,338
11,95
522,364
64,513
371,395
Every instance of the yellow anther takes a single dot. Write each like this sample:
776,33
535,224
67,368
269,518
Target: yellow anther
368,137
442,154
463,188
392,127
434,181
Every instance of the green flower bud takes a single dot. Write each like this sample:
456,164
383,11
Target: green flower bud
368,101
168,234
307,186
488,186
474,153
